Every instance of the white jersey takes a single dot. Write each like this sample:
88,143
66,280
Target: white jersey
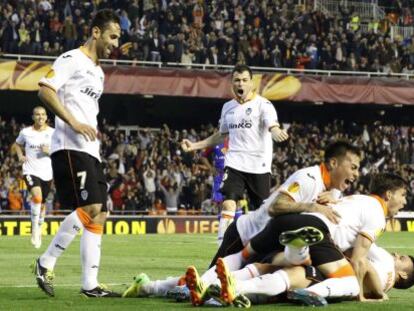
360,214
79,83
37,162
383,263
302,186
250,141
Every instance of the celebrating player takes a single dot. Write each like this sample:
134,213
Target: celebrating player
71,90
37,167
250,122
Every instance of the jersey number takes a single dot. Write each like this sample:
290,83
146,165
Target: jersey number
82,176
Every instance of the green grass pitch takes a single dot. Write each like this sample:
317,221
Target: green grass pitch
126,255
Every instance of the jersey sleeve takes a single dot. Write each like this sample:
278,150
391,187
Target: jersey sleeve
20,139
269,115
299,187
62,70
373,222
223,128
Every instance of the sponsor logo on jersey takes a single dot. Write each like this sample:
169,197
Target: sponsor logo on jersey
244,124
293,188
91,92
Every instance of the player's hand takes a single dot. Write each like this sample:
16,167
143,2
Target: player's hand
279,135
22,159
187,145
326,198
328,212
85,130
45,149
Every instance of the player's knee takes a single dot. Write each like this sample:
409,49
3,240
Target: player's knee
229,205
93,210
37,199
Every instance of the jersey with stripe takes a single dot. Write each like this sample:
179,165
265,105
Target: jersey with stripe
302,186
37,162
78,82
250,141
360,214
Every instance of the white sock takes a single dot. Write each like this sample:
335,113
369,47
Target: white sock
42,215
35,216
210,276
247,273
226,219
234,262
90,250
336,287
267,284
296,256
67,232
160,287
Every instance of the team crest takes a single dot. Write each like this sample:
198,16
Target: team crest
293,188
248,111
84,195
50,74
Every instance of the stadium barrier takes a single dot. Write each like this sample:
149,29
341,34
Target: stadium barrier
140,225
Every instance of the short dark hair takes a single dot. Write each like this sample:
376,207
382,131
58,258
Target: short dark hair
242,68
408,282
338,149
383,182
103,17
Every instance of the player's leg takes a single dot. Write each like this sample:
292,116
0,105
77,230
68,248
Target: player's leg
34,186
297,243
233,188
340,277
64,174
93,193
45,187
231,244
258,189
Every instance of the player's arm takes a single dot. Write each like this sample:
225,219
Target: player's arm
372,284
18,149
284,204
212,140
359,261
278,134
49,97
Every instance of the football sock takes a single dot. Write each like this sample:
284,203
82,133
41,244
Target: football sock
226,218
90,246
336,287
65,235
267,284
248,272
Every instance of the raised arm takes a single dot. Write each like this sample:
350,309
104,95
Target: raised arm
212,140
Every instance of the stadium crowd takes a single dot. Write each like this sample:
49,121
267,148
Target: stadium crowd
270,33
148,172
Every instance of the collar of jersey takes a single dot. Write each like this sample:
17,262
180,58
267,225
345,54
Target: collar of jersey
382,202
85,51
247,99
326,176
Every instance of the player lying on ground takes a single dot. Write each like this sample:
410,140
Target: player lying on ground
260,283
362,219
307,190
